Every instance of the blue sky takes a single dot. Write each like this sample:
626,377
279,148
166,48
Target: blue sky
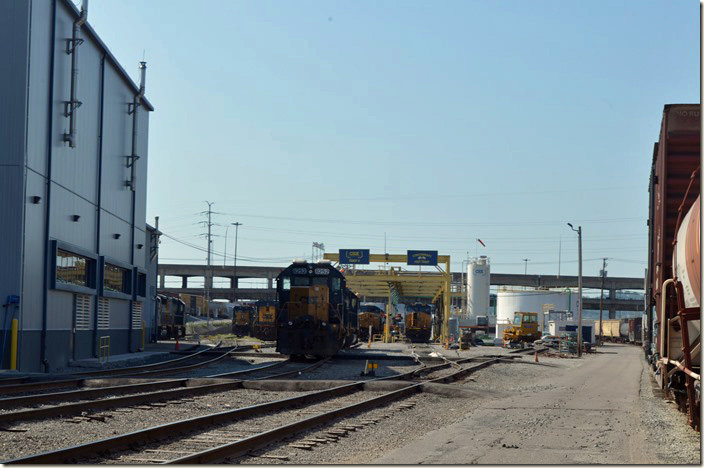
433,122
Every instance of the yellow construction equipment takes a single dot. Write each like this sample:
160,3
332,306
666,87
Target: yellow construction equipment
524,329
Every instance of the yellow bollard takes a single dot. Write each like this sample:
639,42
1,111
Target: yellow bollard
13,345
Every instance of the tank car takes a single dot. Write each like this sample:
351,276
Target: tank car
418,322
242,318
370,316
317,312
264,327
672,329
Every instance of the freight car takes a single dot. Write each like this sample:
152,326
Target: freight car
171,317
264,327
370,316
318,313
635,330
419,322
672,328
242,319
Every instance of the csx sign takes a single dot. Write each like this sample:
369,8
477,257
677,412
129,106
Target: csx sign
357,256
479,271
422,257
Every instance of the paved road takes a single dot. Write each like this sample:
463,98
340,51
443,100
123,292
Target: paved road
592,416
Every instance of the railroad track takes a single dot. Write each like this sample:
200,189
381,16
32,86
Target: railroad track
138,371
150,392
239,432
23,385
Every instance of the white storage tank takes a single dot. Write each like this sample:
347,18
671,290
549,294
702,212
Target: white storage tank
509,302
478,286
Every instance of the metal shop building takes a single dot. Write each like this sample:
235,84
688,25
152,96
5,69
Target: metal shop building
74,248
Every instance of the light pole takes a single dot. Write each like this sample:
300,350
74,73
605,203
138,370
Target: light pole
525,272
224,255
601,305
579,288
234,275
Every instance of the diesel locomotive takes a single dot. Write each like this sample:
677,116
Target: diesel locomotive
264,327
370,316
242,319
317,312
418,322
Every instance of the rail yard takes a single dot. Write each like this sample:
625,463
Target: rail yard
275,410
394,135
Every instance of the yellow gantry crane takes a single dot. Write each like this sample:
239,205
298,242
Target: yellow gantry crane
382,282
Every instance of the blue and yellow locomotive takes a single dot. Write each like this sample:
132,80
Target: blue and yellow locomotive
317,312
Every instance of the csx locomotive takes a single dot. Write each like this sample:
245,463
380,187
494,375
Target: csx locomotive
370,316
264,327
242,319
418,322
317,312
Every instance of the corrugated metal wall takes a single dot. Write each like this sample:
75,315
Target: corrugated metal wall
32,125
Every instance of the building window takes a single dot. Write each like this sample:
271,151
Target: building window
74,269
116,279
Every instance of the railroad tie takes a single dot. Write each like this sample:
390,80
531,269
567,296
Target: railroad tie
167,451
273,457
316,440
142,460
301,446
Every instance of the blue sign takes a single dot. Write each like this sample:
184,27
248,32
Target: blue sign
422,257
358,256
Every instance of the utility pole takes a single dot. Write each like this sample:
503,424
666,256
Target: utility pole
526,270
559,257
207,271
601,303
234,275
224,255
579,287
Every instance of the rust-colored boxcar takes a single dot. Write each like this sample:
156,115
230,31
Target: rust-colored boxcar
672,326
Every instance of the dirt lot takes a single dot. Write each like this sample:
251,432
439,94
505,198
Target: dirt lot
600,411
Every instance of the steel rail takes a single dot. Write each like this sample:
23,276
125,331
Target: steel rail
131,370
89,393
35,386
121,401
12,380
75,382
248,371
244,446
78,408
188,425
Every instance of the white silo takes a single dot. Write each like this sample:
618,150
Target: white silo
478,280
509,302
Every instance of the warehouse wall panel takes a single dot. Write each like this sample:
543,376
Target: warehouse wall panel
39,86
60,307
117,124
64,205
117,249
34,250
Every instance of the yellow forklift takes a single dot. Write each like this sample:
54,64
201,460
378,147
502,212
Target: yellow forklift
523,330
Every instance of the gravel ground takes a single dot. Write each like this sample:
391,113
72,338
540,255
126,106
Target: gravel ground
400,426
53,434
665,427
